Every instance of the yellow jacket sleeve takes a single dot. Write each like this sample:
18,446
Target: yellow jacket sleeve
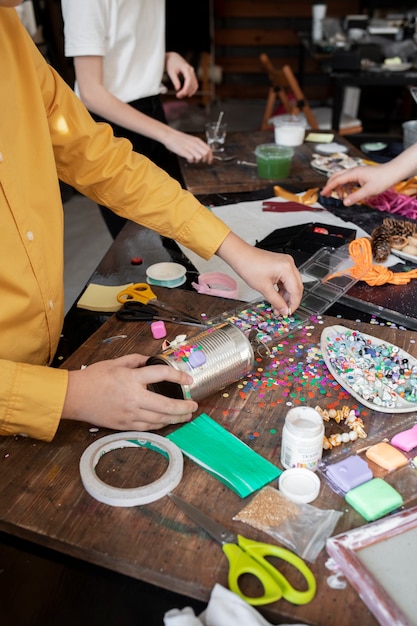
31,399
104,168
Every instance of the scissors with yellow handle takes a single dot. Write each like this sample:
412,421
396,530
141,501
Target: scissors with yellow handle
246,556
141,292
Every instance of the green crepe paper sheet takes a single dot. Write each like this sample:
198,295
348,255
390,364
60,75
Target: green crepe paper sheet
224,456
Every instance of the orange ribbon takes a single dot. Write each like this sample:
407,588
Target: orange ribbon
308,198
407,187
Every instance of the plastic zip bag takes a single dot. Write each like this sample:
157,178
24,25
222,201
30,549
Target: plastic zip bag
302,528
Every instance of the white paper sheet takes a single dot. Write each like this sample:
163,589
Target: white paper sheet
247,220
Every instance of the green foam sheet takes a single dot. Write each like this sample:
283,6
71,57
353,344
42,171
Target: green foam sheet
224,456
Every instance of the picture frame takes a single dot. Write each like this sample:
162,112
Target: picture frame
379,560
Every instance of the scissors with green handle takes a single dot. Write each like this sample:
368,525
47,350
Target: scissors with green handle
141,292
246,556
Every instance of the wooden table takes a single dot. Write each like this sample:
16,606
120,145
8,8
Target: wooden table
229,177
391,303
43,499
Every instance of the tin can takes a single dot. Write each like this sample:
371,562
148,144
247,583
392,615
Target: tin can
302,438
215,358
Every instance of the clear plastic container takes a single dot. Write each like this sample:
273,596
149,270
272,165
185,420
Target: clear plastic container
289,130
409,133
325,279
274,162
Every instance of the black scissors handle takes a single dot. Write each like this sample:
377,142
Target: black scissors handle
134,311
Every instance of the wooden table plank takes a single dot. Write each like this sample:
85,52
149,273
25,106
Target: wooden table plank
229,177
42,498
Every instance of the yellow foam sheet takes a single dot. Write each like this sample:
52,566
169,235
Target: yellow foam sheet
101,298
320,137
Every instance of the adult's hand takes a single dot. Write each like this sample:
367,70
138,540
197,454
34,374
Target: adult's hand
374,179
356,184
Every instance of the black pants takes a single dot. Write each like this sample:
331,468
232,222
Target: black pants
154,150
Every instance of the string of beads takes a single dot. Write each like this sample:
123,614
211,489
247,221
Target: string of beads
344,416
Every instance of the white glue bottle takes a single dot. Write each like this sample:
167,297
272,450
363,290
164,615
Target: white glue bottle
302,438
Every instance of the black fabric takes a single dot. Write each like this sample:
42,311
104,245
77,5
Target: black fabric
301,241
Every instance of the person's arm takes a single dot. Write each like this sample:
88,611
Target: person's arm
31,399
358,183
121,398
89,75
136,189
109,172
110,394
274,275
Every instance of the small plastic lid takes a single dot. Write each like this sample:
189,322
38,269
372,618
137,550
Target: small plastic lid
375,146
166,271
288,120
273,151
299,484
330,148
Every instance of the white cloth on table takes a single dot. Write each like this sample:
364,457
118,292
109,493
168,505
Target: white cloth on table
225,608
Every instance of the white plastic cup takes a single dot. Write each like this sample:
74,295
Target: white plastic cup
289,130
409,133
302,438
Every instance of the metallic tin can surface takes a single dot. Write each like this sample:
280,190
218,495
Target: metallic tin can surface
216,358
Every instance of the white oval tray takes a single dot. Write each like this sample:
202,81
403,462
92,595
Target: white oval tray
405,255
382,395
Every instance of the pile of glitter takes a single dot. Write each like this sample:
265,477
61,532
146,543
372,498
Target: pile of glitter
259,318
297,369
378,372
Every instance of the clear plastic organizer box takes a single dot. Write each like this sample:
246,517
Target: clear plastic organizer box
325,278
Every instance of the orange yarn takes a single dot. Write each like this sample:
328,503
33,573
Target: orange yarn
374,275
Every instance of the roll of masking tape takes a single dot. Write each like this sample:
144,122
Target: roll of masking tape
115,496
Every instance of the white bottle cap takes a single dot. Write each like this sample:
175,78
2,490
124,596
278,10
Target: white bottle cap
299,484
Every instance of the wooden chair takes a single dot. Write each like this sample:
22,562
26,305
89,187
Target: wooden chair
286,89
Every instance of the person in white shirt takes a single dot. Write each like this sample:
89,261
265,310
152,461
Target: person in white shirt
119,56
